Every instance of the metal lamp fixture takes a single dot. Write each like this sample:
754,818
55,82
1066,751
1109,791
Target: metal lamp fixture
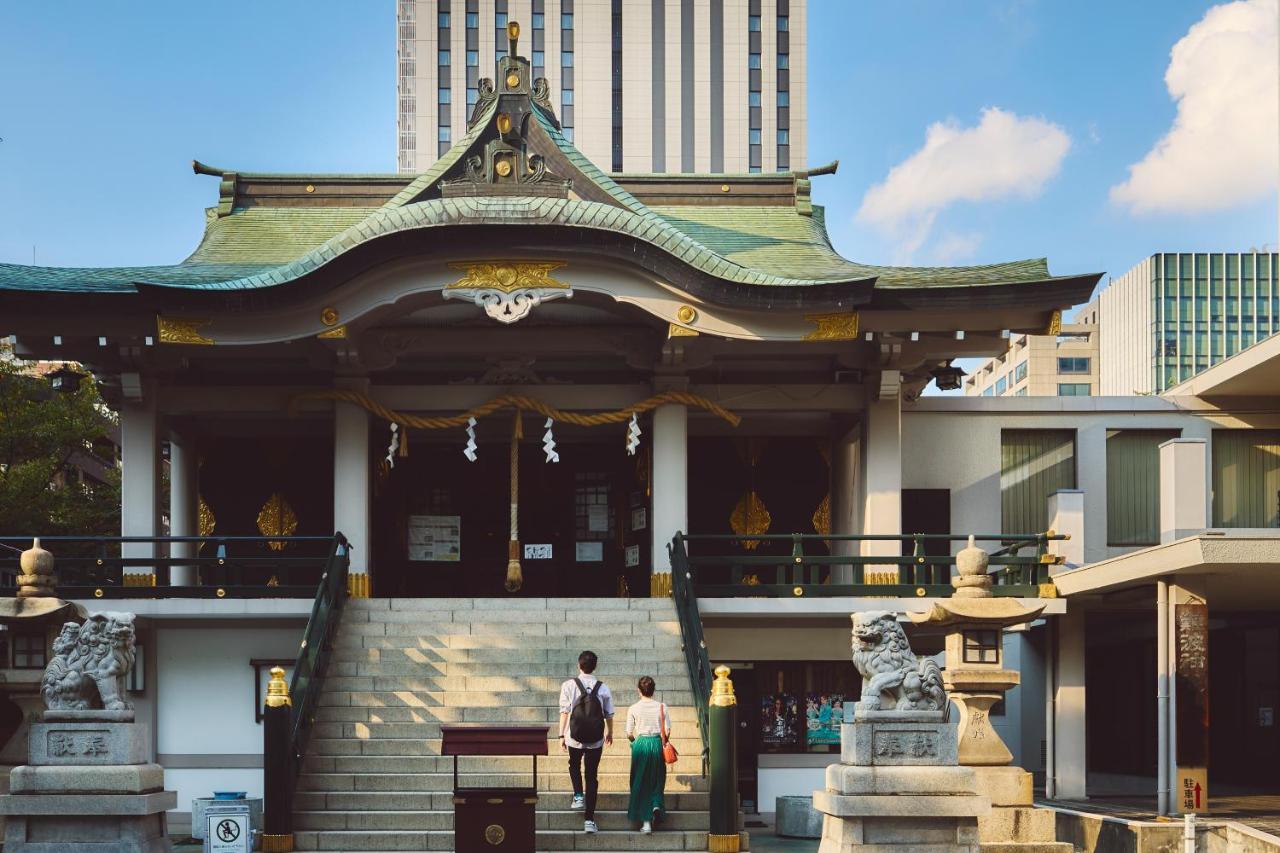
65,380
948,378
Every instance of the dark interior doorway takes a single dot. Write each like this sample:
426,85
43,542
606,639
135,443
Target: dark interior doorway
441,523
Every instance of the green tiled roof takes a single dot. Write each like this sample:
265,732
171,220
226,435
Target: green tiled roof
261,245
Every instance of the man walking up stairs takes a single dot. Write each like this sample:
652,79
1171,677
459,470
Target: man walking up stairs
374,779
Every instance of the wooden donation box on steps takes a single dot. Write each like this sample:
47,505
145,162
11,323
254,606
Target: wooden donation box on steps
492,819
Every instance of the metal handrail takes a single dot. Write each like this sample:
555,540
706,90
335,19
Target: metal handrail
93,563
313,654
693,642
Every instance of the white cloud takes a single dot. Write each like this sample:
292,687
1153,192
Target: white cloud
953,247
1222,148
1004,156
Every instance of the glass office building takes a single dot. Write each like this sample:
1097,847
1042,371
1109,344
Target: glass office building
1178,313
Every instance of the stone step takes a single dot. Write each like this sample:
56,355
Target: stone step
556,615
624,673
431,730
563,819
391,707
442,801
557,780
490,607
512,630
382,636
430,693
615,762
374,840
428,678
338,745
558,660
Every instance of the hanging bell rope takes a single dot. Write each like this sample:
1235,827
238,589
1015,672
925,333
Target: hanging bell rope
515,576
518,402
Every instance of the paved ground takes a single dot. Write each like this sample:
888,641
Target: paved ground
1258,811
764,841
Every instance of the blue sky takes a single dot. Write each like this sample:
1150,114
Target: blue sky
104,105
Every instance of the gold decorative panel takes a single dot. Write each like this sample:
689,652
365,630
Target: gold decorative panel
822,516
205,520
1055,324
182,330
506,276
674,331
336,333
842,326
750,518
277,518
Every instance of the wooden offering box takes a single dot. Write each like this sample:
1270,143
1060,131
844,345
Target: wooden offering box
486,820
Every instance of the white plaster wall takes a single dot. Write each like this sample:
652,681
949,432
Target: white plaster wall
955,444
205,703
777,782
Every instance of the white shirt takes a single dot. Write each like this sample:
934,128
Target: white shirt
642,718
569,694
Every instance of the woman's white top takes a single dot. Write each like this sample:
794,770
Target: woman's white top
642,718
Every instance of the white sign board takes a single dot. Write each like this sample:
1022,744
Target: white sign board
633,556
228,833
537,552
639,519
435,538
598,518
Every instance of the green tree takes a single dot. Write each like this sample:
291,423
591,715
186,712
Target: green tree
43,435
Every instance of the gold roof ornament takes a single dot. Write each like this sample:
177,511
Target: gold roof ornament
205,520
822,516
507,290
277,518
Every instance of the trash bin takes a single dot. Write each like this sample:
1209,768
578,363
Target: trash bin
488,817
228,827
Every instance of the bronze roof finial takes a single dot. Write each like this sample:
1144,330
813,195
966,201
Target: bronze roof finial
513,38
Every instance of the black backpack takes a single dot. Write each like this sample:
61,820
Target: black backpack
586,720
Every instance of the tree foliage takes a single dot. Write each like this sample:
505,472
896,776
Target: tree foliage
45,437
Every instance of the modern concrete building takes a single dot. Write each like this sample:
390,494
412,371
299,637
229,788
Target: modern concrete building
1058,365
1175,315
644,86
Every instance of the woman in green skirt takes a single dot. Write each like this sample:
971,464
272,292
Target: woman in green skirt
648,726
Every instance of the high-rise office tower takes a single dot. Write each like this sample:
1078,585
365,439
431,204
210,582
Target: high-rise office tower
639,85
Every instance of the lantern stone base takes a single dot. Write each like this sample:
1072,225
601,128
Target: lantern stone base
1014,825
898,788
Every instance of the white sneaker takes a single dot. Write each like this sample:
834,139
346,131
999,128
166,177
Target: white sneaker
646,828
579,802
589,827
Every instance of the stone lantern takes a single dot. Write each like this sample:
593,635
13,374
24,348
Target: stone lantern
976,679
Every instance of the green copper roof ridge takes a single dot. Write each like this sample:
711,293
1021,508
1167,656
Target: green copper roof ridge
425,214
588,168
437,169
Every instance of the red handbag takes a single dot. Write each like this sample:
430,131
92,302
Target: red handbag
669,754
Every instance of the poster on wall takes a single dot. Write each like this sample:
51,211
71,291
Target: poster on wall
435,538
779,720
824,712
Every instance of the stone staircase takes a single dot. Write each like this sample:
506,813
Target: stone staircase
374,779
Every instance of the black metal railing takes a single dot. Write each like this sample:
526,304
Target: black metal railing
148,566
692,638
806,567
313,654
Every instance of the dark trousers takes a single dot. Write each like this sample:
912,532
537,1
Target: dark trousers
592,757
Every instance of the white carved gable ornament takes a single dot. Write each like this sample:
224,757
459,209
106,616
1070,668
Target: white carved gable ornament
507,290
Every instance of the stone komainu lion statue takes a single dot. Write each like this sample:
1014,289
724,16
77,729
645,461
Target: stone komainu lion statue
90,664
893,678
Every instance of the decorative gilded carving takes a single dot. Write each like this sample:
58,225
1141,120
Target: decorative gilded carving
205,520
336,333
841,326
329,316
1055,324
182,330
822,516
507,290
686,314
660,585
358,585
674,331
277,518
750,518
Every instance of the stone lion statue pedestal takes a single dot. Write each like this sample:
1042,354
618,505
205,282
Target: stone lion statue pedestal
89,784
898,785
